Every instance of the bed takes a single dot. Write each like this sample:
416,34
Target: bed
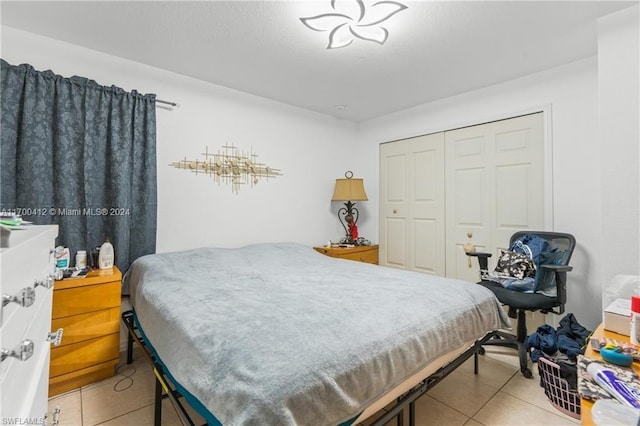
278,334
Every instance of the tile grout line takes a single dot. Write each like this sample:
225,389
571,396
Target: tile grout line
555,411
81,408
121,415
495,395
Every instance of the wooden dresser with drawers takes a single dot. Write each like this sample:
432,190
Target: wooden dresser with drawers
88,311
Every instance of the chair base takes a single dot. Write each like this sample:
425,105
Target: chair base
501,338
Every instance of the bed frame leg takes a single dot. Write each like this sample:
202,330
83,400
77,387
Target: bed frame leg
127,319
157,413
129,348
475,362
412,413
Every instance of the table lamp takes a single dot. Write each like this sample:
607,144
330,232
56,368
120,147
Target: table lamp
349,190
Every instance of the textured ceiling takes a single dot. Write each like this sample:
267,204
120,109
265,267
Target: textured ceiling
434,50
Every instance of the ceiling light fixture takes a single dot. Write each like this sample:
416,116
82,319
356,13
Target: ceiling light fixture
356,20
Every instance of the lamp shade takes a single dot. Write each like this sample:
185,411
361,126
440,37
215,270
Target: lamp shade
349,190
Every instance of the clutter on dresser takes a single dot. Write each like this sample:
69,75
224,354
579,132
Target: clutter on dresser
72,273
592,388
617,316
13,221
598,344
62,258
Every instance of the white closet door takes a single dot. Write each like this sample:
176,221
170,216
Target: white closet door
412,203
495,186
394,204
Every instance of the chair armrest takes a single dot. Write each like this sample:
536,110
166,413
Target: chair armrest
483,262
561,282
558,268
487,255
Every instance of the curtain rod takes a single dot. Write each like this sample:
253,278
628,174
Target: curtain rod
173,104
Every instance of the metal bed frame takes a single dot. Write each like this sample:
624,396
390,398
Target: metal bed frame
165,388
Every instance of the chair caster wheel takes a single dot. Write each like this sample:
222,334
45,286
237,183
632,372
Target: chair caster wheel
527,373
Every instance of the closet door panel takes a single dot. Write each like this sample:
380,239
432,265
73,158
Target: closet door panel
513,182
396,243
469,193
426,253
424,178
394,204
467,220
427,203
395,179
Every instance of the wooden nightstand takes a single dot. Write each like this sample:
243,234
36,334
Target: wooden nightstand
88,311
367,254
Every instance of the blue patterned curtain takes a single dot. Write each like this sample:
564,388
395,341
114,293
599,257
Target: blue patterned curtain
80,155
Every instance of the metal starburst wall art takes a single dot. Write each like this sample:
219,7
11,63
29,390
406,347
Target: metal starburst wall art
353,18
230,166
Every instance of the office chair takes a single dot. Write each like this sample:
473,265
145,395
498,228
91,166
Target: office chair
554,272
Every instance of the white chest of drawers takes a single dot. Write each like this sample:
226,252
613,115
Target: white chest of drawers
26,286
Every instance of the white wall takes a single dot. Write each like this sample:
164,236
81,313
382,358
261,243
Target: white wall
619,134
311,149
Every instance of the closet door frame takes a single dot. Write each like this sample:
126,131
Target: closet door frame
546,110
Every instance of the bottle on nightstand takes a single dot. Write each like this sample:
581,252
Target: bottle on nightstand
106,256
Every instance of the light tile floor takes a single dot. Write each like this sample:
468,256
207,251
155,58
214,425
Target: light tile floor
498,395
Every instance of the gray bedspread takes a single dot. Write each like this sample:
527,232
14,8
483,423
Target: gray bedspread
278,334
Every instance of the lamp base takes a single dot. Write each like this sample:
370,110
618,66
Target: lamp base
360,241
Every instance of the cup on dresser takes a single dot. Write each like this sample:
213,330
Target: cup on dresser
94,258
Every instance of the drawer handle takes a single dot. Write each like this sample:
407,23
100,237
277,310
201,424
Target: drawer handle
46,283
55,337
25,298
23,351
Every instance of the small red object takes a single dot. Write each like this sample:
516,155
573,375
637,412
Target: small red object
353,230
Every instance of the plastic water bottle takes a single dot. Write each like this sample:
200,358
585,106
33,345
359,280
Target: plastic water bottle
106,256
